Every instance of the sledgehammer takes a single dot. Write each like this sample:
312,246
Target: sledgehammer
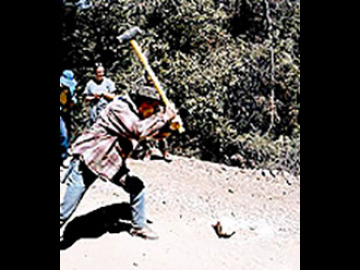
129,35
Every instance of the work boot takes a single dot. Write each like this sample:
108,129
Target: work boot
145,233
167,157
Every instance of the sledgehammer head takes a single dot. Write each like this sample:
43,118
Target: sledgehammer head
130,34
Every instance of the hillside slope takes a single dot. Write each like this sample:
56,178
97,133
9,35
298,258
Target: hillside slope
184,199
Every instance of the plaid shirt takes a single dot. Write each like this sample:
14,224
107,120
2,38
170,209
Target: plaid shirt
106,146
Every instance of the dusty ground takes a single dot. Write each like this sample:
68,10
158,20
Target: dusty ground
184,199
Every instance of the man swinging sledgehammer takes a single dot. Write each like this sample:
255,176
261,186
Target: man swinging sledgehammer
102,151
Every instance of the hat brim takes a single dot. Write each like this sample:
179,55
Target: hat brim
68,83
150,93
152,99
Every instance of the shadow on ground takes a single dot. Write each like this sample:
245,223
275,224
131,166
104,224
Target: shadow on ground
97,223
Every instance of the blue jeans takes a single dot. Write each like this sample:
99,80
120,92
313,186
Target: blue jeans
78,180
64,140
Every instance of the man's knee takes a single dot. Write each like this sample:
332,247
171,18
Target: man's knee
134,185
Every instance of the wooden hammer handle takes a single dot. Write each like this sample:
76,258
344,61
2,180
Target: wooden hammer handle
150,71
155,80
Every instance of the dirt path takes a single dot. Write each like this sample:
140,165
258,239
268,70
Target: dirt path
184,199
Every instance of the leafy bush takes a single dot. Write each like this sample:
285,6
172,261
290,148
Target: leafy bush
233,65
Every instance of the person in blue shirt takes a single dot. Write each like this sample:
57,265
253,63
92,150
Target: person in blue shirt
67,90
64,141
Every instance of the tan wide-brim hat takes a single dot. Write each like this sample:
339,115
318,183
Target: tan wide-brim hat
150,93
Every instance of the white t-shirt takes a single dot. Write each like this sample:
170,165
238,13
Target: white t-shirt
105,87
